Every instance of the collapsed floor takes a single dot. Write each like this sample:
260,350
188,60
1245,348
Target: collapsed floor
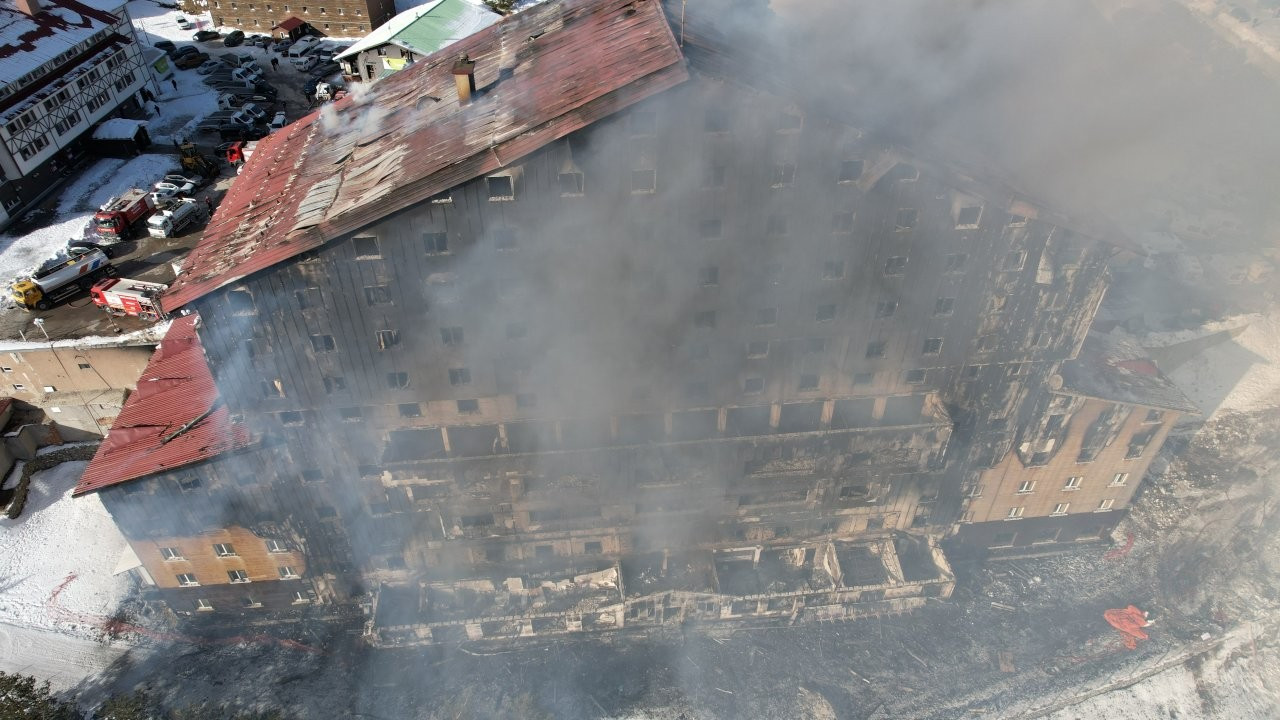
1019,639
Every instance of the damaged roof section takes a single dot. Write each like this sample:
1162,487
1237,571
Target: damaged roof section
540,75
1111,368
174,418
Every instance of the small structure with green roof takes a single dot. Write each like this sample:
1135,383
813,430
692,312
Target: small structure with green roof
413,34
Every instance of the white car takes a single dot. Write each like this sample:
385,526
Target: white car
169,189
183,181
244,118
209,66
185,24
306,62
259,115
162,198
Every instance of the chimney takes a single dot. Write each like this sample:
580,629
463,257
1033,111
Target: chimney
30,8
464,75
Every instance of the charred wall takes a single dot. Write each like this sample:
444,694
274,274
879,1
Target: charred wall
716,319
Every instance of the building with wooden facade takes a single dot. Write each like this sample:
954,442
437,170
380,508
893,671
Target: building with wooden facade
334,18
565,328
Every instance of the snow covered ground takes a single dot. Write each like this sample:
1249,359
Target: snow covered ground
1242,375
1237,374
20,254
56,539
181,108
1240,681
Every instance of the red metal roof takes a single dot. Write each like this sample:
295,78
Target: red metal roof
542,74
289,24
151,434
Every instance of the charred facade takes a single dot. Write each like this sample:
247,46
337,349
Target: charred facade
696,352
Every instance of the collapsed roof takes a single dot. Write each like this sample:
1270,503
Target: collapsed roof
174,419
1111,368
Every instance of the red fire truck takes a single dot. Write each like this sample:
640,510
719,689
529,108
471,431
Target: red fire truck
117,219
122,296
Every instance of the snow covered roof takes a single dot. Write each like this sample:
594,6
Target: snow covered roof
175,418
27,43
1110,368
118,129
427,28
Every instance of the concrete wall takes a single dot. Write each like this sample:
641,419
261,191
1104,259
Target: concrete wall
81,388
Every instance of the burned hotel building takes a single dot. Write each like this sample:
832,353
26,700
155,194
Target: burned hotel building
567,327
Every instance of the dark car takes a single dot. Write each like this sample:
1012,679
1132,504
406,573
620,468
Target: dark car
261,41
236,101
79,247
264,94
185,50
324,70
233,38
191,60
167,46
206,35
233,131
282,47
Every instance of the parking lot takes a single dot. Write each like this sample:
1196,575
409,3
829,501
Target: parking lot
155,259
287,80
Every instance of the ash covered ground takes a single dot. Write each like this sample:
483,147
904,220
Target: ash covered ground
1020,640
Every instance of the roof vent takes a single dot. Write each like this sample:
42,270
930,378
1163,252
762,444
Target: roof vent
464,75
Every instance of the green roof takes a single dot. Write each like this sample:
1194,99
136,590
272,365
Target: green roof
428,28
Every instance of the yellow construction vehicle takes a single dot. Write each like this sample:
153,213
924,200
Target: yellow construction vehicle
195,161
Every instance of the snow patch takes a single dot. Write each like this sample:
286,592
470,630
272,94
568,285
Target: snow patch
20,254
1241,374
58,537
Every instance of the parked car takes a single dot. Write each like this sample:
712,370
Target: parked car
230,59
244,117
191,60
278,121
177,178
339,49
305,62
206,36
259,115
162,197
261,41
185,50
324,70
233,38
232,131
209,66
185,24
232,100
167,46
79,247
282,47
174,189
253,94
253,67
